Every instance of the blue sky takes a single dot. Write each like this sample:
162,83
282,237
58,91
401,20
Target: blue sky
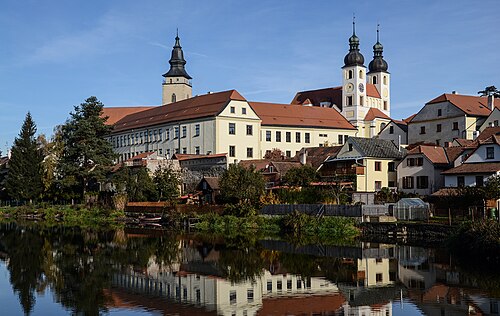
54,54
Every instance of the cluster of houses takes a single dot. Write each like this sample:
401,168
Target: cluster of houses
345,132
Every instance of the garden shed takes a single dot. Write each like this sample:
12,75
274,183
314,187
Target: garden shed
411,209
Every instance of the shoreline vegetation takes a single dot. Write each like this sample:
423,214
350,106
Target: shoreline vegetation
482,238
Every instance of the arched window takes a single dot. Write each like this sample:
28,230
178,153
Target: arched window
349,74
174,98
361,74
170,80
385,79
374,80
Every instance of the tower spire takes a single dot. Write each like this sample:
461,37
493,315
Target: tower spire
378,63
354,57
378,26
353,25
177,61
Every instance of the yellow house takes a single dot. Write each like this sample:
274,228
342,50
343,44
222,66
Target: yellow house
370,163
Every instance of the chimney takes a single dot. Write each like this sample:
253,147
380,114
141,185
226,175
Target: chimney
454,92
491,102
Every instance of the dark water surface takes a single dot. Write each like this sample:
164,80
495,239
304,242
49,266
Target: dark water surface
140,271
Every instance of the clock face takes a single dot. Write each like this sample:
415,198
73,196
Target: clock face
349,87
361,87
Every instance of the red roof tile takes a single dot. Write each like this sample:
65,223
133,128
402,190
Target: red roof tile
199,106
115,114
454,152
182,157
375,113
140,156
488,131
409,118
464,142
472,168
371,91
471,105
297,115
435,154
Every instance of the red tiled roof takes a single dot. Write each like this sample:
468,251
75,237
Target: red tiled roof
454,152
375,113
472,168
371,91
297,115
488,131
409,118
259,164
464,142
435,154
199,106
471,105
140,156
325,304
182,157
115,114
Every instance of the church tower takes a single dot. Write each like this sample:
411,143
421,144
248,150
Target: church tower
379,76
354,79
177,82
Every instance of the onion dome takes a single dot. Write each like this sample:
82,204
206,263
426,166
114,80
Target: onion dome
354,57
378,64
177,62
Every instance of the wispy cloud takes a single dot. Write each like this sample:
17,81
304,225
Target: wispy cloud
159,45
100,39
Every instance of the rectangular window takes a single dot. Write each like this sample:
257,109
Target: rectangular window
288,153
278,136
391,129
176,132
378,277
249,152
197,150
232,129
361,100
297,137
307,138
232,151
490,152
407,182
288,136
150,138
268,136
197,130
184,131
391,166
410,162
232,109
243,111
455,126
341,139
350,147
460,181
184,150
422,129
167,137
479,181
438,128
495,123
168,153
250,295
419,161
160,151
349,100
289,284
378,185
279,285
299,284
160,134
422,182
385,105
378,166
440,112
249,129
269,286
232,297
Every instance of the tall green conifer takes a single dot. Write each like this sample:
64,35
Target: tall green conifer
24,178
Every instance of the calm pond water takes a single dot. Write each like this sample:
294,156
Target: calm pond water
140,271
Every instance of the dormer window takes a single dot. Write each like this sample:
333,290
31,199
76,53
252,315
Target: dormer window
490,152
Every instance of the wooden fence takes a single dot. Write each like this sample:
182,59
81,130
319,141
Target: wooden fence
313,209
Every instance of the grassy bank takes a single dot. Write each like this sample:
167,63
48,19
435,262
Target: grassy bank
70,215
296,227
480,239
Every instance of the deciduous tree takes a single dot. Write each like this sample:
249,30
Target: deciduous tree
241,185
